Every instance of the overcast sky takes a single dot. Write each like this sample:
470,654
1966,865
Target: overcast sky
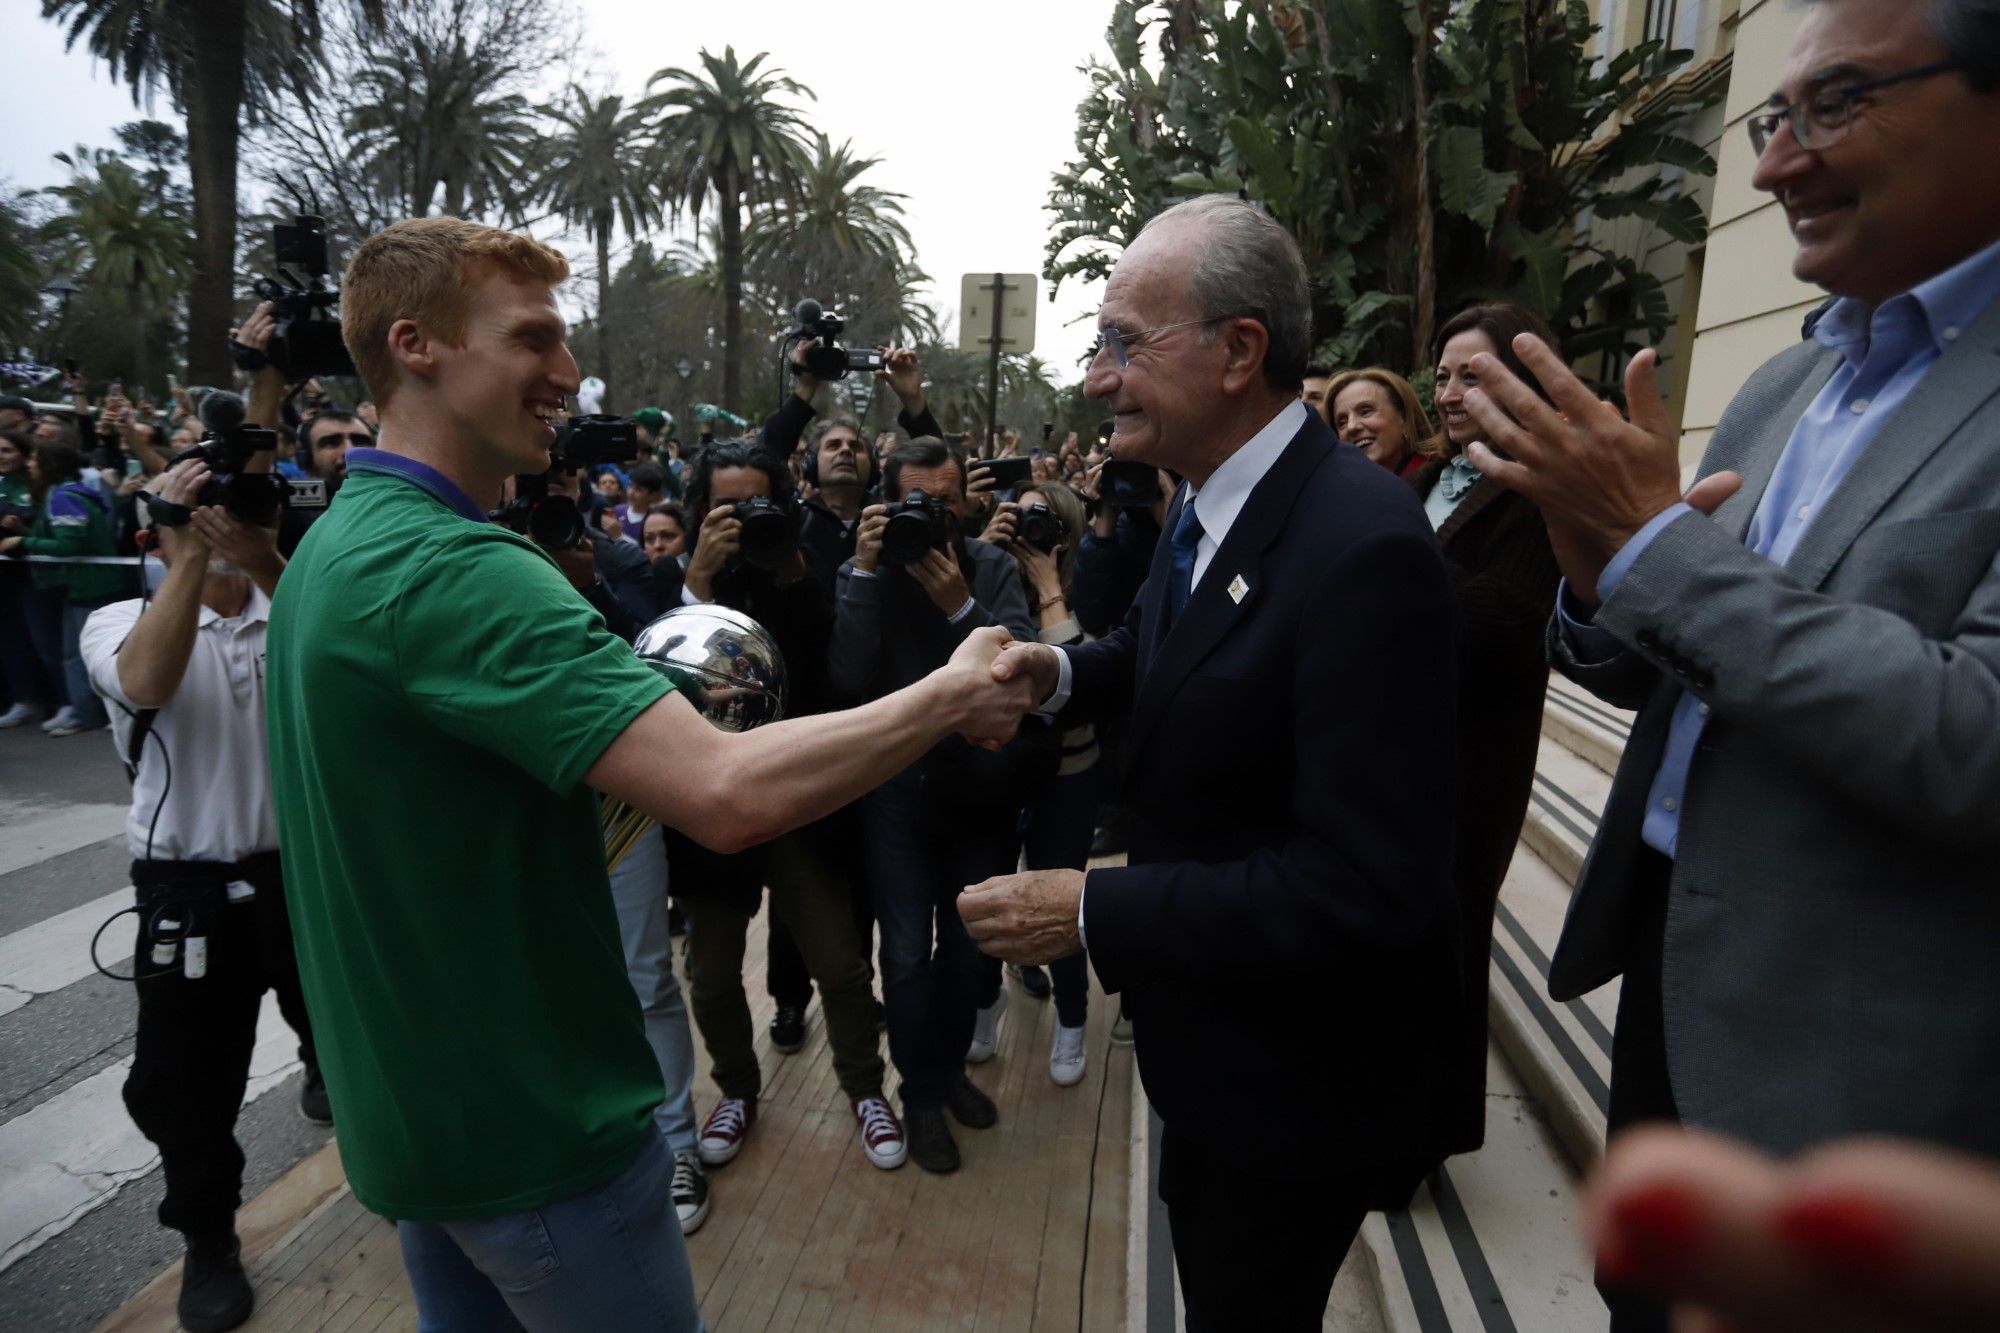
970,107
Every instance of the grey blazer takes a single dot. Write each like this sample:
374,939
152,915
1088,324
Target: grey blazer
1833,922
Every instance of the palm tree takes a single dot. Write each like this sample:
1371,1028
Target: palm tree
116,235
597,176
20,273
209,55
428,130
832,220
723,133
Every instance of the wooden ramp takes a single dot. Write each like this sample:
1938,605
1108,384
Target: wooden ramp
803,1234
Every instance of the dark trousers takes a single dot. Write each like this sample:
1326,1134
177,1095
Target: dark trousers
933,978
786,976
192,1056
1254,1251
1641,1090
27,681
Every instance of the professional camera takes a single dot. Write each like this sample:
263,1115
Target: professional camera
770,532
583,444
918,524
828,361
1128,484
307,341
228,445
1040,527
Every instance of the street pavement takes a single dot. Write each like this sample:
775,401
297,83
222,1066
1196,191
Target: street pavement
79,1185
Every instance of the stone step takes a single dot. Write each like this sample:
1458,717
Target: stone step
1585,725
1561,1051
1563,807
1491,1241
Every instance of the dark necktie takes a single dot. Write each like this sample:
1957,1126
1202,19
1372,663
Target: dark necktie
1186,538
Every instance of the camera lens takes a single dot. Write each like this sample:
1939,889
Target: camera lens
554,523
770,535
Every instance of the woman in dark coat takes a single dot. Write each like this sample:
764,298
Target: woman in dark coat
1504,578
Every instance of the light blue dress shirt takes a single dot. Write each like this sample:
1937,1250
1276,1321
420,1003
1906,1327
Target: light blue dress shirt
1886,351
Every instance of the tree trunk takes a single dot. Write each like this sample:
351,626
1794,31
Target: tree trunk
214,94
603,370
732,286
135,305
1423,315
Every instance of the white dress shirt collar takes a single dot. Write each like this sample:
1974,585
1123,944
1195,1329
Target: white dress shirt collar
1219,502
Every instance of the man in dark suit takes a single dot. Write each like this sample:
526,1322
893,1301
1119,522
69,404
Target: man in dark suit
1284,933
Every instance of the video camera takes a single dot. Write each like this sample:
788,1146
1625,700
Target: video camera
828,361
307,341
228,445
918,524
585,443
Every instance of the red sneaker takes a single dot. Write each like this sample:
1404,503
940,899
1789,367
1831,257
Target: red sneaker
881,1132
722,1134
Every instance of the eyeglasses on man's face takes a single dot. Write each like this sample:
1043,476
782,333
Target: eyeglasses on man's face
1121,343
1824,118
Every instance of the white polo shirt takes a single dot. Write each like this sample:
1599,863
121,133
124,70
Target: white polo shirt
219,804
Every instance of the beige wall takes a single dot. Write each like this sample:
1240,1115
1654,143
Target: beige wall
1750,306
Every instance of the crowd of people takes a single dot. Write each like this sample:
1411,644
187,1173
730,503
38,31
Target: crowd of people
1279,632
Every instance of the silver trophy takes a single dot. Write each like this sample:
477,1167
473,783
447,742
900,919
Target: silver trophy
725,664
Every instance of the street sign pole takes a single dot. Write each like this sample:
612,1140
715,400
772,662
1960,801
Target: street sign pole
1004,327
993,364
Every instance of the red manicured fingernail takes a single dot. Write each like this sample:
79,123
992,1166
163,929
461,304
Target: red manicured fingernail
1846,1233
1653,1231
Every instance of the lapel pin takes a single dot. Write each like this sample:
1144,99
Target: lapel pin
1238,590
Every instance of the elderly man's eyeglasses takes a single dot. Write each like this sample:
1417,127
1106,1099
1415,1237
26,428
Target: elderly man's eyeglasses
1121,342
1824,118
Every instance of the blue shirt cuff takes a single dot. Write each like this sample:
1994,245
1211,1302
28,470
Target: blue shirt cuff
1621,564
1589,644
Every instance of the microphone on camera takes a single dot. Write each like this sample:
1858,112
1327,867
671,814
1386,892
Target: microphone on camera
221,411
807,313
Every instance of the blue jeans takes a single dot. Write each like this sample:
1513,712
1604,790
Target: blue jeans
639,891
1056,828
917,866
83,700
43,608
609,1259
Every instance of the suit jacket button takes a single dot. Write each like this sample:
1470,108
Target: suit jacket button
1648,640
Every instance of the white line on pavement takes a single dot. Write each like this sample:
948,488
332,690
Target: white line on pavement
76,1150
51,954
31,834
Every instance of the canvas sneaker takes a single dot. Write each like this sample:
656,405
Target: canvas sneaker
722,1134
881,1132
20,715
63,717
690,1192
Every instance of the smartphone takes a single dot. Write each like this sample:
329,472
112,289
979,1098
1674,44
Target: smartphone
1009,474
1129,485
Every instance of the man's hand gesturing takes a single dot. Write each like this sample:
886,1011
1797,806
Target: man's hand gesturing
989,710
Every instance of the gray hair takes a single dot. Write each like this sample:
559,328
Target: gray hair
1249,265
832,419
1969,31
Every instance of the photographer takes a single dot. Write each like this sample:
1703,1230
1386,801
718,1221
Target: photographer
185,675
747,557
445,710
949,819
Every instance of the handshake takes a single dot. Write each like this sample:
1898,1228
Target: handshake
991,682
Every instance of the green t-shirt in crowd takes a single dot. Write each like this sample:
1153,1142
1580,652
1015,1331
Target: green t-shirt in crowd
436,690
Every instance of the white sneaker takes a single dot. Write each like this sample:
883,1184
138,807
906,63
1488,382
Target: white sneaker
76,726
1121,1029
986,1031
1066,1057
20,715
64,717
881,1132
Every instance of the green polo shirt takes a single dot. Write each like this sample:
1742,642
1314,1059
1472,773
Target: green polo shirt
436,691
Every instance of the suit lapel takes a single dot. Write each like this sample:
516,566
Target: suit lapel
1770,431
1212,609
1961,382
